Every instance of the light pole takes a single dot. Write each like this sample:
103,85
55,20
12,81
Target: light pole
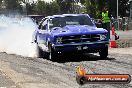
117,15
117,8
130,1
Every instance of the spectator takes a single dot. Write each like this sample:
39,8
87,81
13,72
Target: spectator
106,20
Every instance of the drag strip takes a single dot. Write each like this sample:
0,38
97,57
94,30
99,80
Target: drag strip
28,72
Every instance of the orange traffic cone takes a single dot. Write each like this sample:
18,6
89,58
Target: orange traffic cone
112,41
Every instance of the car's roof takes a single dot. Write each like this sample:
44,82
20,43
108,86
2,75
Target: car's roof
63,15
34,15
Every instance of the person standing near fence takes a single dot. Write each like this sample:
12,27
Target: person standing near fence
106,20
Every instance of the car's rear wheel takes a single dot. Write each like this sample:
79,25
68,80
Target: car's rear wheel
39,52
104,53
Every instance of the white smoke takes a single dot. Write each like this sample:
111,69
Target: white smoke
16,35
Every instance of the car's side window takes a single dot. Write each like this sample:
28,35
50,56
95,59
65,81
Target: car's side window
44,25
40,23
50,23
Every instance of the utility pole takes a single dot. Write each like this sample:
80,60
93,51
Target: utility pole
117,15
130,1
117,9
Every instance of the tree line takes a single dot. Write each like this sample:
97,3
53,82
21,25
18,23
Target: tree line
92,7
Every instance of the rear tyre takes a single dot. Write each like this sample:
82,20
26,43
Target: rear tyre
39,52
104,53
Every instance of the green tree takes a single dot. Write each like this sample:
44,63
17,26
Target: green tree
82,1
31,8
44,8
41,7
55,8
91,7
66,6
13,4
123,7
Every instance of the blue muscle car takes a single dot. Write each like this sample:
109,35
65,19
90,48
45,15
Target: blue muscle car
70,33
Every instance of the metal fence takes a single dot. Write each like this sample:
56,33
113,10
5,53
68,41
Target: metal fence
130,24
124,24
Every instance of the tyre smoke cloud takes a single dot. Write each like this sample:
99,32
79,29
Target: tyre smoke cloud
16,35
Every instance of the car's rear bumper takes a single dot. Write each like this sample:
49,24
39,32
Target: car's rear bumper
81,47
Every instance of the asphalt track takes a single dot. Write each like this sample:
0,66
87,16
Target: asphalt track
24,72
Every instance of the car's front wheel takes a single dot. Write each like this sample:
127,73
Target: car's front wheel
52,53
104,53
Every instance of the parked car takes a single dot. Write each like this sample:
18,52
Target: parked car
70,33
